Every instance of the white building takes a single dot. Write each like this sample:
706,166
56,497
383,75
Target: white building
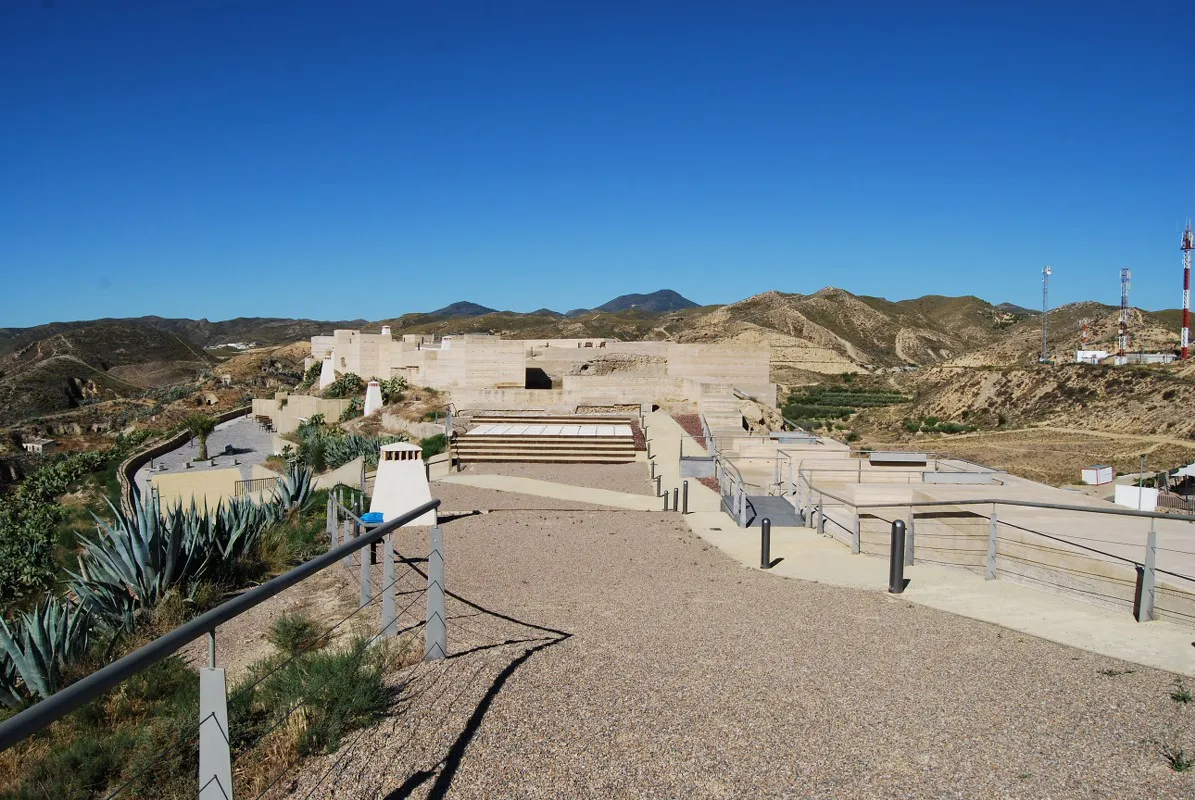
1090,356
1098,475
39,447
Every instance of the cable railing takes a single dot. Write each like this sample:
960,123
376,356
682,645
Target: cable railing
1126,563
210,738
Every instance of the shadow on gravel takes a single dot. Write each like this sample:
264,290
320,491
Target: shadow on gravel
445,771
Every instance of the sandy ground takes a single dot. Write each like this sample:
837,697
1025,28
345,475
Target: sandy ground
618,655
630,478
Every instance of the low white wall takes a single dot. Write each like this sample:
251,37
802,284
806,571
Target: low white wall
1144,499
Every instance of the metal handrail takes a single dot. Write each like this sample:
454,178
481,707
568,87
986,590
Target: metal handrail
56,706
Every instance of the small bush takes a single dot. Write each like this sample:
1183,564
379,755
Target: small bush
434,445
1180,694
912,425
1178,758
336,691
295,632
852,436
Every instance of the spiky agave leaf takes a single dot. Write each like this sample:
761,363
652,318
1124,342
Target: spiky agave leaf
45,639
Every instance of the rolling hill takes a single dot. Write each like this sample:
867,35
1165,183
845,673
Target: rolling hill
103,360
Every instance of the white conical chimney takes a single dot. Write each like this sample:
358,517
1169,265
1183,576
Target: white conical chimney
373,397
327,375
385,330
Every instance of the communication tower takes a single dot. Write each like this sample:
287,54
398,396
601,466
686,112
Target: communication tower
1187,245
1122,340
1046,271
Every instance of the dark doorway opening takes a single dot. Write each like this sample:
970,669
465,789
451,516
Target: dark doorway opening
537,379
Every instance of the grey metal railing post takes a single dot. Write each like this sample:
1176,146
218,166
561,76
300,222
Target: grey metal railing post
659,491
1149,576
675,498
896,559
792,487
993,532
366,571
857,535
653,471
389,589
435,631
765,544
821,515
362,480
685,497
346,533
910,538
742,506
215,758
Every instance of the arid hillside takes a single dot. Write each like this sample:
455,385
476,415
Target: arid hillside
1044,422
98,362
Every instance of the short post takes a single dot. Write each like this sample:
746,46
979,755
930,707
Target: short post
363,478
821,516
993,530
648,448
366,595
389,589
685,497
653,470
215,759
1145,608
909,538
765,544
742,506
665,496
859,465
435,631
856,536
659,491
896,560
675,498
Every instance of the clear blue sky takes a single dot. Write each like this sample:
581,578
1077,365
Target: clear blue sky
347,159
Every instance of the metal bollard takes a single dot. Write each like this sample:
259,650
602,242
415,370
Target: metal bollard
653,471
665,496
896,559
675,499
658,490
765,544
685,498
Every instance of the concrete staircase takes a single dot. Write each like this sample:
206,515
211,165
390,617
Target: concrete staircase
540,441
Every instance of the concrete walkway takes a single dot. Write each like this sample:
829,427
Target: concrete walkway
558,491
666,438
806,555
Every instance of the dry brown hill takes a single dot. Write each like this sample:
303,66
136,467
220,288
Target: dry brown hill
102,361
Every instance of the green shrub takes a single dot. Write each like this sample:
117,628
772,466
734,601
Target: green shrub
434,445
336,690
912,425
294,632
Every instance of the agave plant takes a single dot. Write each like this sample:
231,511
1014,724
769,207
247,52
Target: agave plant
294,488
37,647
136,560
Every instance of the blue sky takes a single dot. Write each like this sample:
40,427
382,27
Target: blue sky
346,159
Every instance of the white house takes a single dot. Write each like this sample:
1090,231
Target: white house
1090,356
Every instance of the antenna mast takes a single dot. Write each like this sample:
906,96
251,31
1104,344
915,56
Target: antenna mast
1046,271
1122,340
1187,245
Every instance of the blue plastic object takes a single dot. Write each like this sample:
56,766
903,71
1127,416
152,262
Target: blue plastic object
372,517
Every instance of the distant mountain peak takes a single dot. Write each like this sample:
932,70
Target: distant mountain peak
462,308
656,302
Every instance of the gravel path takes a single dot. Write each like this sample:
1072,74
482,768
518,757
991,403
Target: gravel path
630,478
641,662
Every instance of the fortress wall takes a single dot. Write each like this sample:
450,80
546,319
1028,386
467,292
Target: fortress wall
639,348
321,346
717,363
494,362
552,400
